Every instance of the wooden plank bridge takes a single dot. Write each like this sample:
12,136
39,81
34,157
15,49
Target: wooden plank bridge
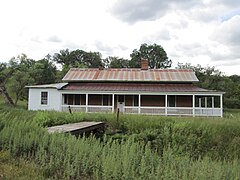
78,128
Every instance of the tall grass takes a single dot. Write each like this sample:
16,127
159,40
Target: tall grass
149,147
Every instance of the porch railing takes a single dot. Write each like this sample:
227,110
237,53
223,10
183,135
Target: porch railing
74,108
144,110
99,108
152,110
184,111
130,109
89,108
208,111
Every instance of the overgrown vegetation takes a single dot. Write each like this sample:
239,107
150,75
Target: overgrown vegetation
136,147
20,168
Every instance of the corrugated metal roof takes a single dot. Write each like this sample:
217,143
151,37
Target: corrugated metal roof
133,87
54,86
130,75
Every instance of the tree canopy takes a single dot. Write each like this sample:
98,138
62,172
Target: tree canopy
116,62
155,54
21,71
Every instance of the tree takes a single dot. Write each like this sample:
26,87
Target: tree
116,62
5,74
63,57
14,76
21,77
155,54
78,58
43,72
208,77
22,71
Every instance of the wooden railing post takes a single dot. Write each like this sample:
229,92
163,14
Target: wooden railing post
193,105
113,96
166,105
86,102
221,105
139,104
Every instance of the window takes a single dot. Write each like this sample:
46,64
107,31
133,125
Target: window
171,101
135,100
77,99
72,99
106,100
44,98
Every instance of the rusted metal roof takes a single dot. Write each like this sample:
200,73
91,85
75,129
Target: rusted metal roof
133,87
130,75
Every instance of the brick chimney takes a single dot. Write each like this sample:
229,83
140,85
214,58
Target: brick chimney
144,64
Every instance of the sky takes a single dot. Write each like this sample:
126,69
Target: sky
205,32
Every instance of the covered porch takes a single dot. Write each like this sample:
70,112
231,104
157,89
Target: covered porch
179,104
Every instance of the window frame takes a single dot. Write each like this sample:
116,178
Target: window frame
44,99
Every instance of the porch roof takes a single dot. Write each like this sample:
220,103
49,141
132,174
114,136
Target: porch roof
53,86
134,87
129,75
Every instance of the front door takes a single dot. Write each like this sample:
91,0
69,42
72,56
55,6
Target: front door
120,103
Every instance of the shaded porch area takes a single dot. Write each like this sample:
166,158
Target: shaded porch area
154,104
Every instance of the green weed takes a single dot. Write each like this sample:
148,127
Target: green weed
145,147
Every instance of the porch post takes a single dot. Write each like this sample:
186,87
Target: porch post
193,105
221,105
113,103
166,105
200,102
205,102
212,101
139,103
86,102
62,99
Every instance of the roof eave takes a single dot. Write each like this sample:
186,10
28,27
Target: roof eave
48,86
130,81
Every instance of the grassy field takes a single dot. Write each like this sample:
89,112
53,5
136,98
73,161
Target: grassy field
135,147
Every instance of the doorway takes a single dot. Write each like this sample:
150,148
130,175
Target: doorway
120,103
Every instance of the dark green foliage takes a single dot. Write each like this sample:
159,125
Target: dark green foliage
48,118
77,59
116,62
155,54
151,147
22,71
11,168
43,72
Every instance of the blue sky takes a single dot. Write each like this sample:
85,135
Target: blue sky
202,32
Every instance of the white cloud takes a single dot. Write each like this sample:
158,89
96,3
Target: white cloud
132,11
202,32
228,32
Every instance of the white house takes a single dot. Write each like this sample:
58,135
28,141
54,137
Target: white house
136,91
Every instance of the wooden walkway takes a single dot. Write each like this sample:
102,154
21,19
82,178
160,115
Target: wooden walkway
77,128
